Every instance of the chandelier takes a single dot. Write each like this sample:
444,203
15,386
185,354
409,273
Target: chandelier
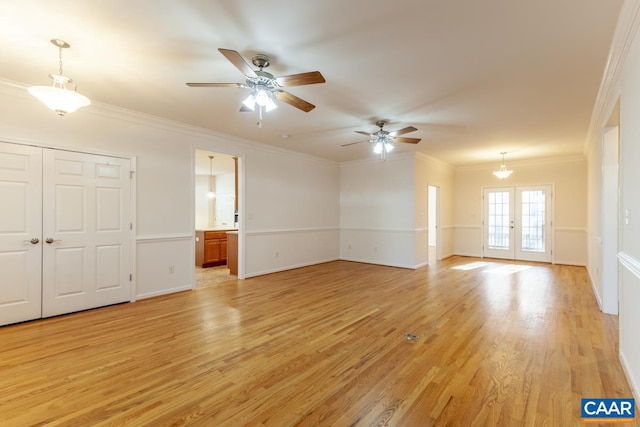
57,97
503,172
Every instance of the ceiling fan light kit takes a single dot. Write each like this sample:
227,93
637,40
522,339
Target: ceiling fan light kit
383,140
57,97
265,87
502,172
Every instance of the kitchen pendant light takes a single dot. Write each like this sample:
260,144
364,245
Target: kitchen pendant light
211,194
57,97
503,172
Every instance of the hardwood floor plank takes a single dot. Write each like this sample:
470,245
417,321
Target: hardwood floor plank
500,344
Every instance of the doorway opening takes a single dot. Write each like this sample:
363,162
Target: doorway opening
433,224
216,218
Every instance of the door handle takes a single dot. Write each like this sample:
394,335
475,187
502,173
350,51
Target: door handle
49,240
33,241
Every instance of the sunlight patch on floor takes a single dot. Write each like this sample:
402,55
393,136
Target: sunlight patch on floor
471,265
508,269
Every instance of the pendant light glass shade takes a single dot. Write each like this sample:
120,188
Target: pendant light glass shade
57,97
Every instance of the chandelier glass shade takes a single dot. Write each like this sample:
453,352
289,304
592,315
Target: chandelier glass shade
58,97
502,171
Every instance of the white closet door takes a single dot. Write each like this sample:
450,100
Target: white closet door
20,233
86,248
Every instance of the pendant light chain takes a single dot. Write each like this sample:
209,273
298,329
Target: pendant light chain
60,60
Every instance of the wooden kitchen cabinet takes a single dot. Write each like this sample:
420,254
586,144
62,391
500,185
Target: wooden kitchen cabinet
211,248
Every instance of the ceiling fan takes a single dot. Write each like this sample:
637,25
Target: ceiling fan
265,87
383,140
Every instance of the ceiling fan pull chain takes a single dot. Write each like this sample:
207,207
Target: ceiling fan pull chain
260,120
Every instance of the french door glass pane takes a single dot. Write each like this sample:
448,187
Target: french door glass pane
499,220
533,217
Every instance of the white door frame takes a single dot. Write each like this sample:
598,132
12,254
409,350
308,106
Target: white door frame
241,209
609,219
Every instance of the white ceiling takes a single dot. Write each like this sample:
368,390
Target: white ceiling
475,77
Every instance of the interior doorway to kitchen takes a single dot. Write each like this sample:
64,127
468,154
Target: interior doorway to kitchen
216,218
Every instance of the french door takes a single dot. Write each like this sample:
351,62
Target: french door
64,232
517,223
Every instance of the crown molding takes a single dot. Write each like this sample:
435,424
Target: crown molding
19,90
573,158
609,91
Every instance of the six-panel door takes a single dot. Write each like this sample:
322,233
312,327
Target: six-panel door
20,233
86,200
65,242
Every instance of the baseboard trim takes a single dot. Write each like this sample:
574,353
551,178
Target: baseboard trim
288,267
164,292
635,388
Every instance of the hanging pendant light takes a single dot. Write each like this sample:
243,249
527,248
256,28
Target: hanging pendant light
211,194
57,97
503,172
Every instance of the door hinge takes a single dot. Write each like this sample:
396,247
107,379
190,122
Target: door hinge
130,226
130,277
131,174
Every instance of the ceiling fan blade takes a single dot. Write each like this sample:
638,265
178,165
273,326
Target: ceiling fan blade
361,132
402,131
215,85
312,77
407,140
352,143
295,101
245,109
238,61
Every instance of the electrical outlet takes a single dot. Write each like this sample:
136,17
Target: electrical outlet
172,269
277,254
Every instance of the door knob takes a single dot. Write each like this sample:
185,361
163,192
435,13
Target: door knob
49,240
33,241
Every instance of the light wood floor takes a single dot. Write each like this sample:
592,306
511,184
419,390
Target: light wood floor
500,344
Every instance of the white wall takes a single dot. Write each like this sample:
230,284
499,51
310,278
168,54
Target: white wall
568,175
224,200
203,204
377,211
286,194
629,229
384,212
292,211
